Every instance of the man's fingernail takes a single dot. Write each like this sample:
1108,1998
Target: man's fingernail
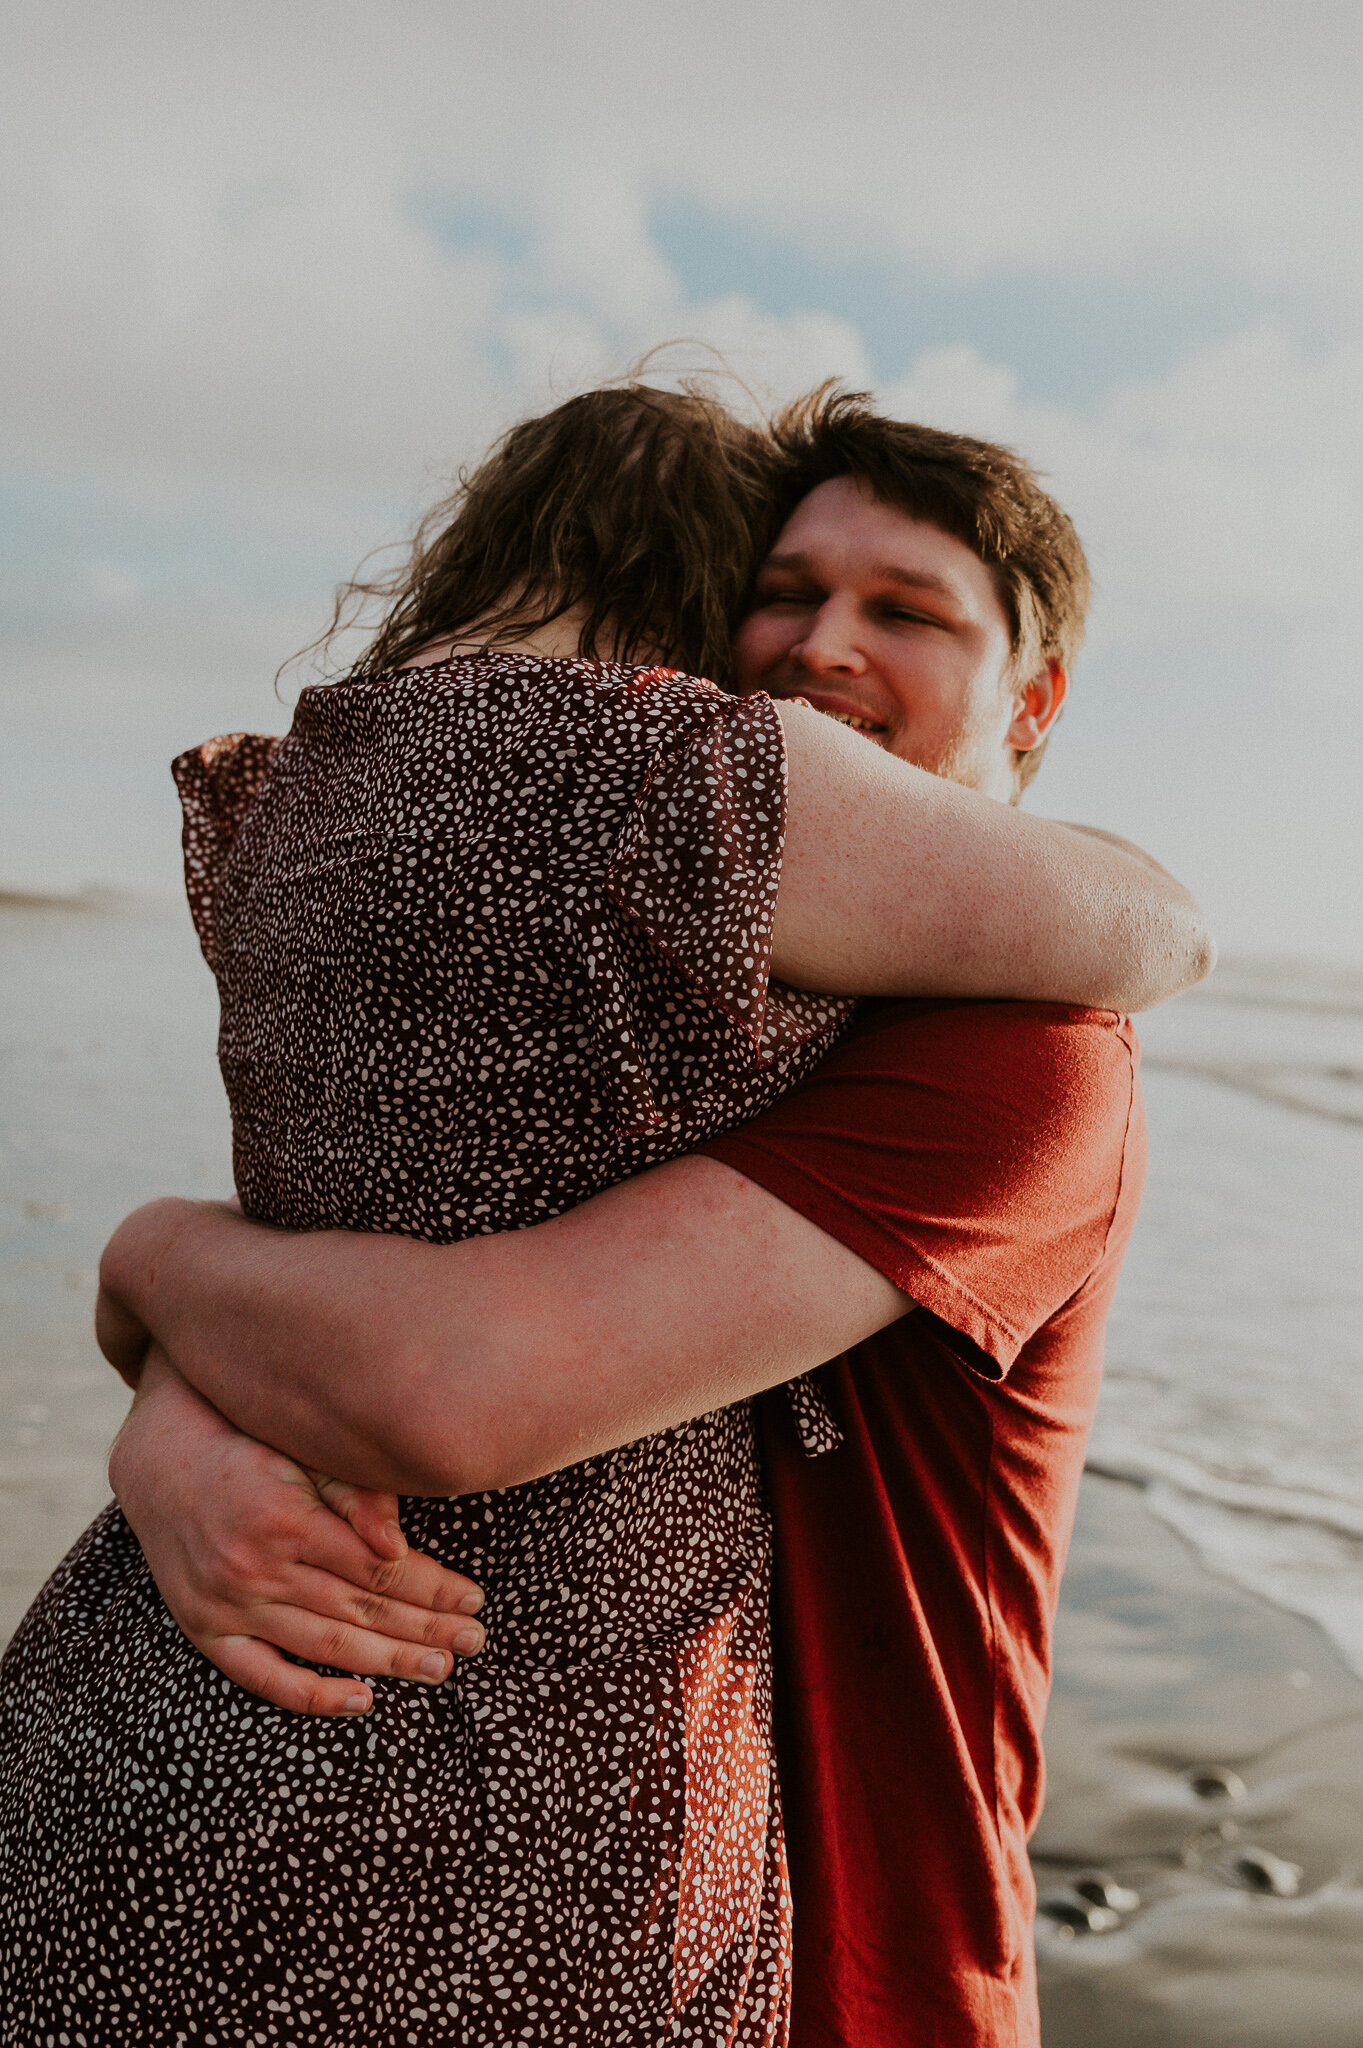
471,1602
393,1531
433,1666
358,1703
469,1640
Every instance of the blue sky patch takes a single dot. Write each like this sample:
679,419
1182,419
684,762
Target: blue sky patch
1069,336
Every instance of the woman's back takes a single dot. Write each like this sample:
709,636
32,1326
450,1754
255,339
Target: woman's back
489,936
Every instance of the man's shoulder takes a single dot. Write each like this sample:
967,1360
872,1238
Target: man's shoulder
983,1108
1046,1051
974,1105
974,1153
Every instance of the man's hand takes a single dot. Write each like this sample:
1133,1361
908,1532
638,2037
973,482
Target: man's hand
254,1556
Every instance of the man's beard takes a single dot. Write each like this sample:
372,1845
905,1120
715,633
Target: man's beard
966,757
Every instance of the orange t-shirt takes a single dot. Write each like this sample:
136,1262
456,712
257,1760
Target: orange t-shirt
988,1158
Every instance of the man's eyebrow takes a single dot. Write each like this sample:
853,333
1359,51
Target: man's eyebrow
796,561
890,572
919,579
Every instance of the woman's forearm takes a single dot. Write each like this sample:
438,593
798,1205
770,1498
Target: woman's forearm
304,1341
897,882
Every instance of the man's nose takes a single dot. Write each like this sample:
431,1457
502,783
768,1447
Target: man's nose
830,646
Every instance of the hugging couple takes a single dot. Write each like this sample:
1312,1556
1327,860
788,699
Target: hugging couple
686,1133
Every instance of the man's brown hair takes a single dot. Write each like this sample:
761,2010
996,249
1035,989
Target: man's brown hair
651,509
981,492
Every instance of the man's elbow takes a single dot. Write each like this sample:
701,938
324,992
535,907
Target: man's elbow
475,1453
1182,954
433,1435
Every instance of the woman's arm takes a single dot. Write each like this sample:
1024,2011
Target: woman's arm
254,1556
898,882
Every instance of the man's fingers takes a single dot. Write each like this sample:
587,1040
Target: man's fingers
323,1594
423,1582
373,1516
258,1667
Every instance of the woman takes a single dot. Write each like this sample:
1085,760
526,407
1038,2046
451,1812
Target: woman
493,928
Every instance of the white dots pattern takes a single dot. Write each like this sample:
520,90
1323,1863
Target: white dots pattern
489,937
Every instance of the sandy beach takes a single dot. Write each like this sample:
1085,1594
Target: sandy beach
1167,1673
1167,1678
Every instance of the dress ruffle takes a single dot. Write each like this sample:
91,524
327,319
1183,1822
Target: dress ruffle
218,782
695,870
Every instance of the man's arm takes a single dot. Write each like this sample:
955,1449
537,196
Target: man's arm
461,1368
899,882
416,1368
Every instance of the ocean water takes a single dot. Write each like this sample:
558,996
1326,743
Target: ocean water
1235,1381
1234,1388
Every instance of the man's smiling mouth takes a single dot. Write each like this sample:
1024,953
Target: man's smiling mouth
850,718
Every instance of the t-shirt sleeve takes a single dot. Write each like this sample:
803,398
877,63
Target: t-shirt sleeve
971,1152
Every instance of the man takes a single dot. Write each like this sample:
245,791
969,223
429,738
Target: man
977,1164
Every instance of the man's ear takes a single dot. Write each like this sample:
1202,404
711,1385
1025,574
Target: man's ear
1036,706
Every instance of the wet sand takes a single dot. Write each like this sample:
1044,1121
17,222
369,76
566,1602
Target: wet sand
1164,1671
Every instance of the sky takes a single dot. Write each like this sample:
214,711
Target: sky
273,272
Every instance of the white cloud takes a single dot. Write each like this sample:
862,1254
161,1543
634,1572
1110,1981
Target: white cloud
239,336
1235,480
956,388
215,261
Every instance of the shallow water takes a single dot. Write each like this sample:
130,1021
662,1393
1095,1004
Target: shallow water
1193,1727
109,1094
1234,1388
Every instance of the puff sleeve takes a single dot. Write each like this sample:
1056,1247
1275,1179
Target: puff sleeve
218,782
679,984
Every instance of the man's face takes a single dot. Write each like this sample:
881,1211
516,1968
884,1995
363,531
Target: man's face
896,628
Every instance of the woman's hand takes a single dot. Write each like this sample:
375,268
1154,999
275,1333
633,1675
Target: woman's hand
254,1556
123,1337
128,1259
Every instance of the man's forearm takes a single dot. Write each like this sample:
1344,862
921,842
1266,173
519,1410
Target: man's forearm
409,1367
390,1363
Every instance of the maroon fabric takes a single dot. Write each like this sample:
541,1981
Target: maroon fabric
489,937
988,1158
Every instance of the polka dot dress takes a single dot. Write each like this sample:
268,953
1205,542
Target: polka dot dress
489,936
